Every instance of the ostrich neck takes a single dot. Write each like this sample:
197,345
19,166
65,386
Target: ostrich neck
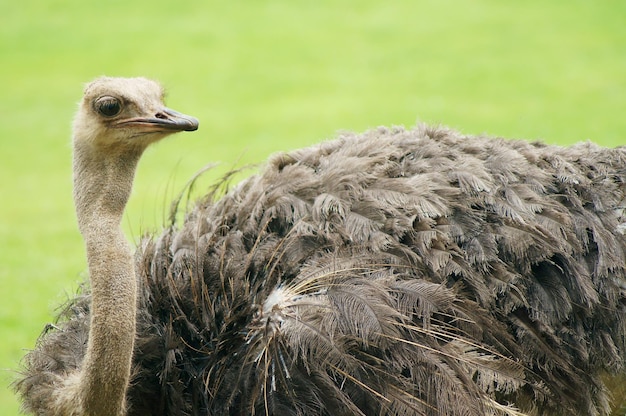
102,185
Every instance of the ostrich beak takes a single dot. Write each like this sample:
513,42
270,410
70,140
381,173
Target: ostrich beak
166,120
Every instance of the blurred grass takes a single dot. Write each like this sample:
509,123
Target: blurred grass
264,76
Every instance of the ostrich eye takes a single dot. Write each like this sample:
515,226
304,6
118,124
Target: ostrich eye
108,106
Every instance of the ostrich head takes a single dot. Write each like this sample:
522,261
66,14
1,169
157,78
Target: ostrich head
125,114
117,119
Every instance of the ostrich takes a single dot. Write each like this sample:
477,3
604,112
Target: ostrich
394,272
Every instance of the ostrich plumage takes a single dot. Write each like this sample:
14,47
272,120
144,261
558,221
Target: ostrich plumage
394,272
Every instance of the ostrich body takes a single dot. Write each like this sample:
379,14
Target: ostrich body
395,272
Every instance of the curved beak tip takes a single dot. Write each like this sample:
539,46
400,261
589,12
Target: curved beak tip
182,121
193,124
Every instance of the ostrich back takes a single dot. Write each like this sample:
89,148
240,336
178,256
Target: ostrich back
394,272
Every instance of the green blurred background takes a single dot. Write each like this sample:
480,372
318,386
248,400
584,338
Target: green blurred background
264,76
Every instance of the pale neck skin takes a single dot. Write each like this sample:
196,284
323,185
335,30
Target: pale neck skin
102,186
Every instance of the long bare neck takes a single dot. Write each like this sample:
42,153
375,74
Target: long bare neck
102,185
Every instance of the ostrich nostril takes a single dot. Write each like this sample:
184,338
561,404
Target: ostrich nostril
161,116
